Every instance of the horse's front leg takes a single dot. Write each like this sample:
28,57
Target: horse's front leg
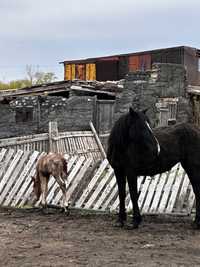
65,203
121,183
132,183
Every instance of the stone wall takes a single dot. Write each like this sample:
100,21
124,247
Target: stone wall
31,115
145,89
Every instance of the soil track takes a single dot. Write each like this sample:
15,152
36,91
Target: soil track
35,239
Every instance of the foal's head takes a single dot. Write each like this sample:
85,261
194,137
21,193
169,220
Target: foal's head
36,187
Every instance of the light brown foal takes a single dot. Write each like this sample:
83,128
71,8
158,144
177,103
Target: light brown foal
51,164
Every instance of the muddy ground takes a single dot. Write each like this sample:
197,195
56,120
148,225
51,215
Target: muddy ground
30,238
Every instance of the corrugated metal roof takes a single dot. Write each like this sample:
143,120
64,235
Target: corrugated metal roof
96,59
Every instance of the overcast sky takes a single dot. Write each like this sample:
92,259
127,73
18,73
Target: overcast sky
42,33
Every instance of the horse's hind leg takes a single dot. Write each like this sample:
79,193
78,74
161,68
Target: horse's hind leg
121,183
194,177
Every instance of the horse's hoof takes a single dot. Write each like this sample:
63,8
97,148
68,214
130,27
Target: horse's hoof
196,225
66,211
118,224
132,226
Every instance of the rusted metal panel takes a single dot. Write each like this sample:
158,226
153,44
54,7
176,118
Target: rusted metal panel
80,71
145,62
73,71
139,62
69,71
134,63
91,72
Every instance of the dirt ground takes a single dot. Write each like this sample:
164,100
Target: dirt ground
30,238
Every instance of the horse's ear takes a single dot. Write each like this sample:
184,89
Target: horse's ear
132,112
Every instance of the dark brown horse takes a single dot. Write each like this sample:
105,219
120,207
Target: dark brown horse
135,150
51,164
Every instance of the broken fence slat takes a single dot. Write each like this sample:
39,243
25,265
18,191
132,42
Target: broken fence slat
7,180
92,183
107,189
78,178
158,193
167,189
21,178
175,189
151,191
99,188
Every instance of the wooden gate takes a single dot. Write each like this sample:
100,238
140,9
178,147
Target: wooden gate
90,188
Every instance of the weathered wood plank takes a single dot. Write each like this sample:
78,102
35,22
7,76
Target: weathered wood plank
183,193
92,183
5,163
151,192
99,188
7,180
107,189
175,189
26,188
23,175
158,193
167,189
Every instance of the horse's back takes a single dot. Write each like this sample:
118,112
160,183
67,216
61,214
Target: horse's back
52,164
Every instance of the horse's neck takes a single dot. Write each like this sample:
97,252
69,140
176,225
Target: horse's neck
148,146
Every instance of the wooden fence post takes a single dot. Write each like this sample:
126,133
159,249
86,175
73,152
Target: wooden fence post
98,141
53,136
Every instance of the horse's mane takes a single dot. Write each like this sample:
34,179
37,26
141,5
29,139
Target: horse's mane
119,133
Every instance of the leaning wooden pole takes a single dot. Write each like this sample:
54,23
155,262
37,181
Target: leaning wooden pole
103,153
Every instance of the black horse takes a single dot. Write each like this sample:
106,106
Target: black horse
135,150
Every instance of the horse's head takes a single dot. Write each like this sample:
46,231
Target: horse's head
36,187
140,130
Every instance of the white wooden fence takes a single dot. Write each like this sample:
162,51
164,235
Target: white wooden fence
80,143
96,189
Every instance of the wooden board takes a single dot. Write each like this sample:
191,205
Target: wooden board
170,192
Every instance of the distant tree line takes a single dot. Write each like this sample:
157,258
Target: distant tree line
33,78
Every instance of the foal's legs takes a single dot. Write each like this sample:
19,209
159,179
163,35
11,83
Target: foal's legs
132,183
63,188
44,189
121,182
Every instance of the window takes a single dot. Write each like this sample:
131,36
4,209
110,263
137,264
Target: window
24,114
167,111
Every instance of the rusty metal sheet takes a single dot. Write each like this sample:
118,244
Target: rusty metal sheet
69,71
144,62
80,71
134,63
91,72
